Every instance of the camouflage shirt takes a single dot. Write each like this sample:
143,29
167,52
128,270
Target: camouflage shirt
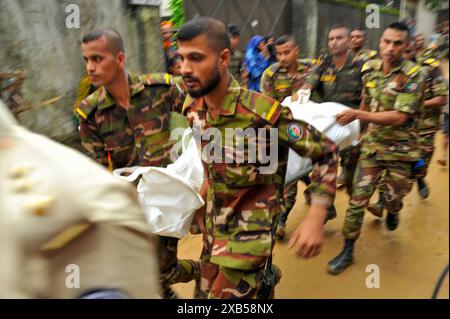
116,137
235,65
277,84
341,86
365,55
400,90
435,85
242,199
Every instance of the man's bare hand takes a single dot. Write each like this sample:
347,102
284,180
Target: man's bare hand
307,239
346,116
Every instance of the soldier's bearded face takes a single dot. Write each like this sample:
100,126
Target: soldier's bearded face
201,67
287,54
102,65
392,44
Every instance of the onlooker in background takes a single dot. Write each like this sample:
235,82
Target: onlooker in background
257,59
169,43
237,56
270,43
174,66
358,39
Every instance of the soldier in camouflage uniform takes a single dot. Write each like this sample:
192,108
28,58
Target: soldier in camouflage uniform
280,80
237,57
125,122
337,78
357,41
243,199
392,93
436,91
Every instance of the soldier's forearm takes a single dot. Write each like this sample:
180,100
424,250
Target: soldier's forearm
383,118
437,101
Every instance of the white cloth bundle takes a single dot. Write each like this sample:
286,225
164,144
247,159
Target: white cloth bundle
323,117
169,196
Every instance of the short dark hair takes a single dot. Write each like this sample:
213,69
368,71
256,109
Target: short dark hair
234,30
400,26
215,31
113,39
340,26
285,39
363,31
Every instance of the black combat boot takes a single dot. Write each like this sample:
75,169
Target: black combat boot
331,214
377,209
423,188
392,221
339,263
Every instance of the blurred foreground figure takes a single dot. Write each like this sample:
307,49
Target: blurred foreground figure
58,240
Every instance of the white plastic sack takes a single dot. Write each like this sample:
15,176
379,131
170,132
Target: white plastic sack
169,196
323,117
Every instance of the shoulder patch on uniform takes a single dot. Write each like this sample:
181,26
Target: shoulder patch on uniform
157,79
411,68
263,106
88,105
271,70
433,62
370,65
372,53
294,131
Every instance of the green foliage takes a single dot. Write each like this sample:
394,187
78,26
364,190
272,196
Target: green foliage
177,10
433,4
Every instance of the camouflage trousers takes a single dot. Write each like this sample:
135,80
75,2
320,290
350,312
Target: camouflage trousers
426,143
397,181
349,161
219,282
172,269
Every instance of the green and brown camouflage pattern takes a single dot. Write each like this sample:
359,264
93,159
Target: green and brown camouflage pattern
243,204
365,55
340,86
116,137
235,65
396,179
400,90
278,84
435,85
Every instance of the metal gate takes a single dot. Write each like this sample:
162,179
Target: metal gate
264,17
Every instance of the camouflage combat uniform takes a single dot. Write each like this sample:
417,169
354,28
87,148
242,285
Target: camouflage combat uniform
118,138
341,86
388,151
235,66
365,55
277,84
435,85
243,202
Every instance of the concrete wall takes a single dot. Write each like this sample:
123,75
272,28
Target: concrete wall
425,19
34,38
